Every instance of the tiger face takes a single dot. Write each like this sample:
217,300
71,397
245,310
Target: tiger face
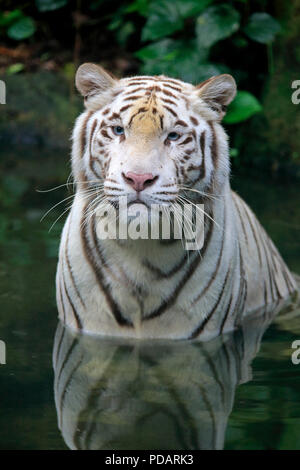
151,139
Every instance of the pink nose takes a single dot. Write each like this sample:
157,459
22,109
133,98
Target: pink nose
139,182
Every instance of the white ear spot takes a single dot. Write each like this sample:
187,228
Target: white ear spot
91,80
217,92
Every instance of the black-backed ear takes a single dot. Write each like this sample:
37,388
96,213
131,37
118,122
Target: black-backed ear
217,92
91,80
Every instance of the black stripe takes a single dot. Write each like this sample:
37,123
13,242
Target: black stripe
162,274
190,271
67,356
204,322
216,270
76,316
83,133
213,371
242,293
99,275
69,265
59,345
91,401
170,110
202,146
66,387
254,235
225,316
61,298
240,217
214,145
141,110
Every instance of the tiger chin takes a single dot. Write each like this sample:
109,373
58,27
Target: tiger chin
155,140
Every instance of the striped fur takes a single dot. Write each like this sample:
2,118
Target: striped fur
154,288
126,394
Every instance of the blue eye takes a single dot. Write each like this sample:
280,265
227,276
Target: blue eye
173,136
118,130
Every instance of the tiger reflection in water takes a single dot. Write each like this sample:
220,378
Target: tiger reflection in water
127,394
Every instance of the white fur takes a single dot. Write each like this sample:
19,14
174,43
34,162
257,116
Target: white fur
135,289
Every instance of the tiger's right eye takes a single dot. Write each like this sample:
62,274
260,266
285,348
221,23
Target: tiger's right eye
173,136
118,130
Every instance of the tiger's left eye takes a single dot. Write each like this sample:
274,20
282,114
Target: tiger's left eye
118,130
173,136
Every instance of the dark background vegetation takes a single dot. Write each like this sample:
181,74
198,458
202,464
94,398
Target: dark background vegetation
43,41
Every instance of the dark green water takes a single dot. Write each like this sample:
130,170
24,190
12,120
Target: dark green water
109,394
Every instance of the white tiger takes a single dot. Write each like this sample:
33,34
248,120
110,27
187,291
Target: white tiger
159,140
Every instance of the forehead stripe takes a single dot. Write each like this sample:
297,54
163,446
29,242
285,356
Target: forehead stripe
166,100
145,77
124,108
141,110
137,83
161,120
168,93
169,80
133,97
173,87
135,90
171,111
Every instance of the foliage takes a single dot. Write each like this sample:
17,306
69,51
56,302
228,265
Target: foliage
202,26
181,38
243,107
262,28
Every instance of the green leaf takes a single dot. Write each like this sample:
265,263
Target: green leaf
156,50
22,28
167,16
189,8
178,59
262,27
141,6
243,107
69,71
216,23
124,32
234,152
50,5
9,17
15,68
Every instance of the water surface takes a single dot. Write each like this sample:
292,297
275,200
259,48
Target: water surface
236,392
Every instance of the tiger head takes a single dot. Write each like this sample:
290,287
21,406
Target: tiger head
152,139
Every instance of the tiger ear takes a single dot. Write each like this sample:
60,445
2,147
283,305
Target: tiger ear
217,92
91,80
